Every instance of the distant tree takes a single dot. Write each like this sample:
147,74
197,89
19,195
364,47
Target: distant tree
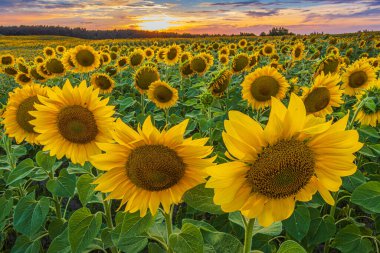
279,31
263,34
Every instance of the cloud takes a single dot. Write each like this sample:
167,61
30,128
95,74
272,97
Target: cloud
265,13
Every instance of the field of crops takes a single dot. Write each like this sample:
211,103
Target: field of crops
214,145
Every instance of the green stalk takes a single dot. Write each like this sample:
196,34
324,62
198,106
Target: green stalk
169,226
107,211
248,236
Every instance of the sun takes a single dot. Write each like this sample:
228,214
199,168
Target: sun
157,22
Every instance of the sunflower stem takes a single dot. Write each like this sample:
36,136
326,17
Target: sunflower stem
248,236
333,208
169,226
350,125
107,211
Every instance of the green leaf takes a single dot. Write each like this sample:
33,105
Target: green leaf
25,245
349,239
274,229
45,161
63,186
220,242
298,224
368,196
291,247
6,207
30,215
201,198
60,243
85,189
129,227
321,229
79,169
189,240
370,104
83,228
23,169
350,183
367,131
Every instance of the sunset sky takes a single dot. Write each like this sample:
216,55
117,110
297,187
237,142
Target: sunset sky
197,16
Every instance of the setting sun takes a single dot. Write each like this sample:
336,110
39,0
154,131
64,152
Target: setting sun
157,22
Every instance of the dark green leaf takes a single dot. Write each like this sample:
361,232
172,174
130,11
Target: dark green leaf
349,239
25,245
298,224
291,247
201,198
368,196
60,243
63,186
85,188
189,240
23,169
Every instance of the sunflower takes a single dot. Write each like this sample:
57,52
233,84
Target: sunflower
34,74
199,64
242,43
161,54
23,79
85,58
22,67
298,51
185,70
290,160
232,46
376,44
10,70
60,49
162,94
253,61
41,70
49,52
103,82
145,76
72,120
149,53
358,76
113,56
111,70
209,58
366,115
224,51
66,60
323,95
220,83
39,59
122,62
55,66
136,58
16,116
262,84
240,62
146,168
106,58
331,64
268,49
223,59
185,56
7,60
172,54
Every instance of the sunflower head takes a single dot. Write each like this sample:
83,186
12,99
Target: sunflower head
22,67
358,76
105,57
85,58
149,53
70,121
151,168
145,76
242,43
262,84
172,54
240,62
60,49
185,70
49,52
111,70
292,158
10,70
185,56
7,60
36,76
331,64
268,49
220,83
39,59
136,58
199,64
224,50
162,94
323,95
54,66
17,114
223,59
103,82
161,54
23,79
298,51
369,115
122,62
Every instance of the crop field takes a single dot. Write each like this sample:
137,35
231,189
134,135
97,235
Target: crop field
209,144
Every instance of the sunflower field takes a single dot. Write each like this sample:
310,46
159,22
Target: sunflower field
215,145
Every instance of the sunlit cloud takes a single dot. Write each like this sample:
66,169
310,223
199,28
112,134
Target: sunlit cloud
197,16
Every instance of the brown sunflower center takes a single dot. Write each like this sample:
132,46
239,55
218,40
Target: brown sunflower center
317,100
186,69
163,94
55,66
49,52
24,78
268,50
145,77
103,82
357,79
23,117
297,52
10,71
85,58
77,124
264,87
198,64
6,60
330,66
122,62
282,170
154,167
136,59
172,53
240,63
